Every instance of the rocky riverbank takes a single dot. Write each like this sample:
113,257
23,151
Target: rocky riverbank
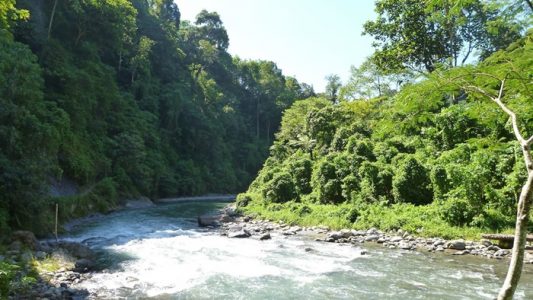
235,226
46,269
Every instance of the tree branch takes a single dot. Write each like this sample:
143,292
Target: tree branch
529,141
511,114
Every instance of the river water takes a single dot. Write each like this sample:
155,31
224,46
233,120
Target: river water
160,253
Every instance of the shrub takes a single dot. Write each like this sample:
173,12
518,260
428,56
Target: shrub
243,200
411,183
301,170
350,184
325,179
280,189
439,181
457,211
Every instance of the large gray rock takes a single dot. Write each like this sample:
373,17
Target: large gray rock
209,220
265,236
404,245
84,265
457,245
396,239
239,234
26,238
141,202
371,238
502,253
77,250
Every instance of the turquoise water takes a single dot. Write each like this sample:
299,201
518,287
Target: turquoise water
160,253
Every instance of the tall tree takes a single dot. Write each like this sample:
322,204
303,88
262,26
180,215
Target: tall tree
332,87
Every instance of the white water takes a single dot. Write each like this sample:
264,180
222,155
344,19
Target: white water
160,253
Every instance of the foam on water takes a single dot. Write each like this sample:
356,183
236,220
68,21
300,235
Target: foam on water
163,254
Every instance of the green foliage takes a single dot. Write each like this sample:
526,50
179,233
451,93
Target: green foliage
7,274
411,183
420,35
124,99
280,188
434,158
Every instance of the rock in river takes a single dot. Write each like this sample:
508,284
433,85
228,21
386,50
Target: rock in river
265,236
239,234
457,245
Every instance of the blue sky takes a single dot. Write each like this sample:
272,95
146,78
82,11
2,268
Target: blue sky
308,39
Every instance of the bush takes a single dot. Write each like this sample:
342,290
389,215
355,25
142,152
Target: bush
325,179
350,184
301,171
243,200
440,182
411,183
7,274
280,189
457,212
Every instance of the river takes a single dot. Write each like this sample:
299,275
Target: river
160,253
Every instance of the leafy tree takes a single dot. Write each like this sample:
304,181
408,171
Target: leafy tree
368,81
10,14
493,83
420,35
332,87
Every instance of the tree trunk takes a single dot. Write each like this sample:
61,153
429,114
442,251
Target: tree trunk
524,202
52,19
522,217
257,119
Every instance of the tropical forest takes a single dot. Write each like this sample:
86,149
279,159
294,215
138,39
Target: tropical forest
142,157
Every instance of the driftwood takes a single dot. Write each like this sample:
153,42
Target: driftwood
505,237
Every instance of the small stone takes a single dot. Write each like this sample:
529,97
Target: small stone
501,253
396,239
439,248
463,252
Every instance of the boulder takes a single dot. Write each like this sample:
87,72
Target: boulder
396,239
335,235
265,236
502,253
26,238
239,234
141,202
209,220
84,265
16,246
457,245
404,245
77,250
371,238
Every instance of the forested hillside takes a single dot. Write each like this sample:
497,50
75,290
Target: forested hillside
436,156
106,100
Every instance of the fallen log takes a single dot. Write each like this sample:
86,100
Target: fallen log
504,237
